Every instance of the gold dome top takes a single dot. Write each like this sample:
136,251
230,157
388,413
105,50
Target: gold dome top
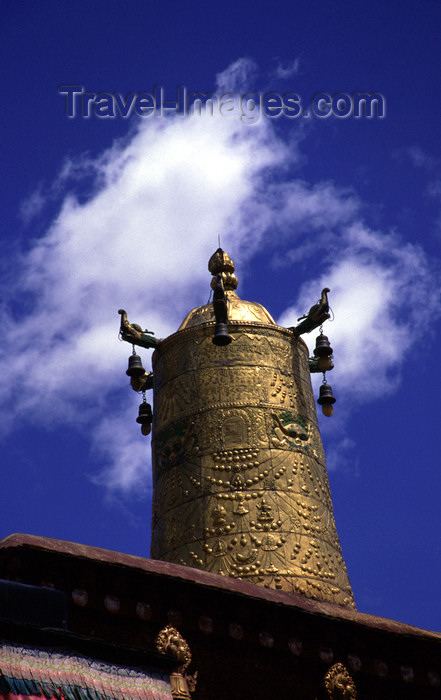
238,309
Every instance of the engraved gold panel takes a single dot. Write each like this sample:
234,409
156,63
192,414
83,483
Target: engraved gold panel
240,482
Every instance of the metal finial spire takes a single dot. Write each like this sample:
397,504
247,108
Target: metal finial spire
221,264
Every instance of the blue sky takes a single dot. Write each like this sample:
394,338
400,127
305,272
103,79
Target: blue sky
104,213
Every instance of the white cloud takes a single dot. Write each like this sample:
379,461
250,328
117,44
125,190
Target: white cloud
434,189
158,201
421,159
283,71
141,241
342,456
118,440
237,77
383,298
32,206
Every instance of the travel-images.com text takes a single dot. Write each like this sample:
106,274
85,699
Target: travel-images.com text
249,106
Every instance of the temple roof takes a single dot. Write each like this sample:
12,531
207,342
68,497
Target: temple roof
245,640
62,557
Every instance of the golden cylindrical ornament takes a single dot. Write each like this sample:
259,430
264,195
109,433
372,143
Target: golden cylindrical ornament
239,475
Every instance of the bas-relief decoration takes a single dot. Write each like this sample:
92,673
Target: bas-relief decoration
240,483
339,684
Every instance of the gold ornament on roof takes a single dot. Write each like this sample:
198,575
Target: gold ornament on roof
170,643
339,683
221,263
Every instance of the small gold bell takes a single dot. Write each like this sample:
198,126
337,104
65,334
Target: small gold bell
145,413
326,399
221,335
322,346
135,368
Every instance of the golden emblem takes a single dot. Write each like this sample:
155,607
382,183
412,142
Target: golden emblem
170,643
339,683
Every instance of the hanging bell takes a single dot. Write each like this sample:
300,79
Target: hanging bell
135,368
145,413
326,399
322,346
221,336
145,418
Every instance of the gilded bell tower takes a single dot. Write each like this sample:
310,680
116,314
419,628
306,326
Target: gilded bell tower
240,486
